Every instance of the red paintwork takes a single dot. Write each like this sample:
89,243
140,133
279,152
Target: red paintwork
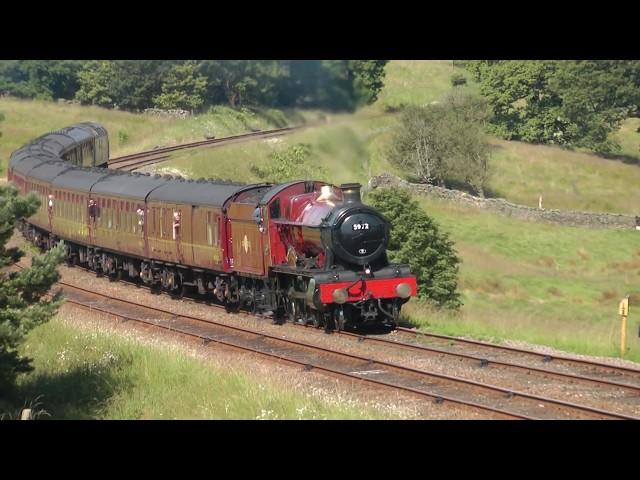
370,288
299,213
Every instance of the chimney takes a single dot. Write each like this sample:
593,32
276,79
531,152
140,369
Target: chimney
351,192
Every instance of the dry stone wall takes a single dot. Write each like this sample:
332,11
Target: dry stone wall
158,112
501,206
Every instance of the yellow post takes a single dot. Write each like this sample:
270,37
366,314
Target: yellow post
623,310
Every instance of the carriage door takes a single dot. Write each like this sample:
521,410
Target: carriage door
245,240
92,217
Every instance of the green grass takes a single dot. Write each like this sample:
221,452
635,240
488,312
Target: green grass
418,82
130,132
348,149
89,374
546,284
567,180
629,138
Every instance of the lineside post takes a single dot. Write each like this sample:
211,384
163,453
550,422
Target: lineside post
623,310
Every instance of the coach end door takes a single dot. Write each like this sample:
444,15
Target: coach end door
245,240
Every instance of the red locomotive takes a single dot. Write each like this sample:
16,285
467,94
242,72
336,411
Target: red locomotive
307,251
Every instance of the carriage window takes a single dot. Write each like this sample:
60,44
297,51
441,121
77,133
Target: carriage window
162,223
177,220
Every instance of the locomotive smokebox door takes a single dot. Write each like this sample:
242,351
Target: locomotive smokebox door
246,244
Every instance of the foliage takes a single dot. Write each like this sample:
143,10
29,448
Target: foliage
332,84
139,84
183,88
1,119
22,306
241,82
458,79
444,141
573,103
418,241
43,79
95,81
123,137
87,372
368,79
289,164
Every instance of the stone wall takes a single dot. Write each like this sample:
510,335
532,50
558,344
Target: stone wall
501,206
158,112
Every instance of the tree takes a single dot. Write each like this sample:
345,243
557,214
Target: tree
96,83
572,103
22,303
241,82
368,79
136,82
596,97
444,141
418,241
183,87
46,79
334,84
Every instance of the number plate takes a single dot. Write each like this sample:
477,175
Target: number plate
360,226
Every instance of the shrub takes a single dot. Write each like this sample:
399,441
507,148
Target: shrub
123,137
417,241
288,164
458,79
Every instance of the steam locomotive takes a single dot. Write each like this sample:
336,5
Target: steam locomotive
307,251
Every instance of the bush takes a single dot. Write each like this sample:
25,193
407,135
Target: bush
458,79
444,141
417,241
289,164
123,137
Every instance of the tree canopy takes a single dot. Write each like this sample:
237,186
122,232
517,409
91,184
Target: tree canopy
444,141
190,84
572,103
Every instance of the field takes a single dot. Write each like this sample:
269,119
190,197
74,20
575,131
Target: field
85,372
545,284
130,132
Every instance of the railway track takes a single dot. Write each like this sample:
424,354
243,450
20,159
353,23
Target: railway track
490,354
150,157
487,355
482,397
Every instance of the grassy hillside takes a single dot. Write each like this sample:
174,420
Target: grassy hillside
418,82
547,284
130,132
567,180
